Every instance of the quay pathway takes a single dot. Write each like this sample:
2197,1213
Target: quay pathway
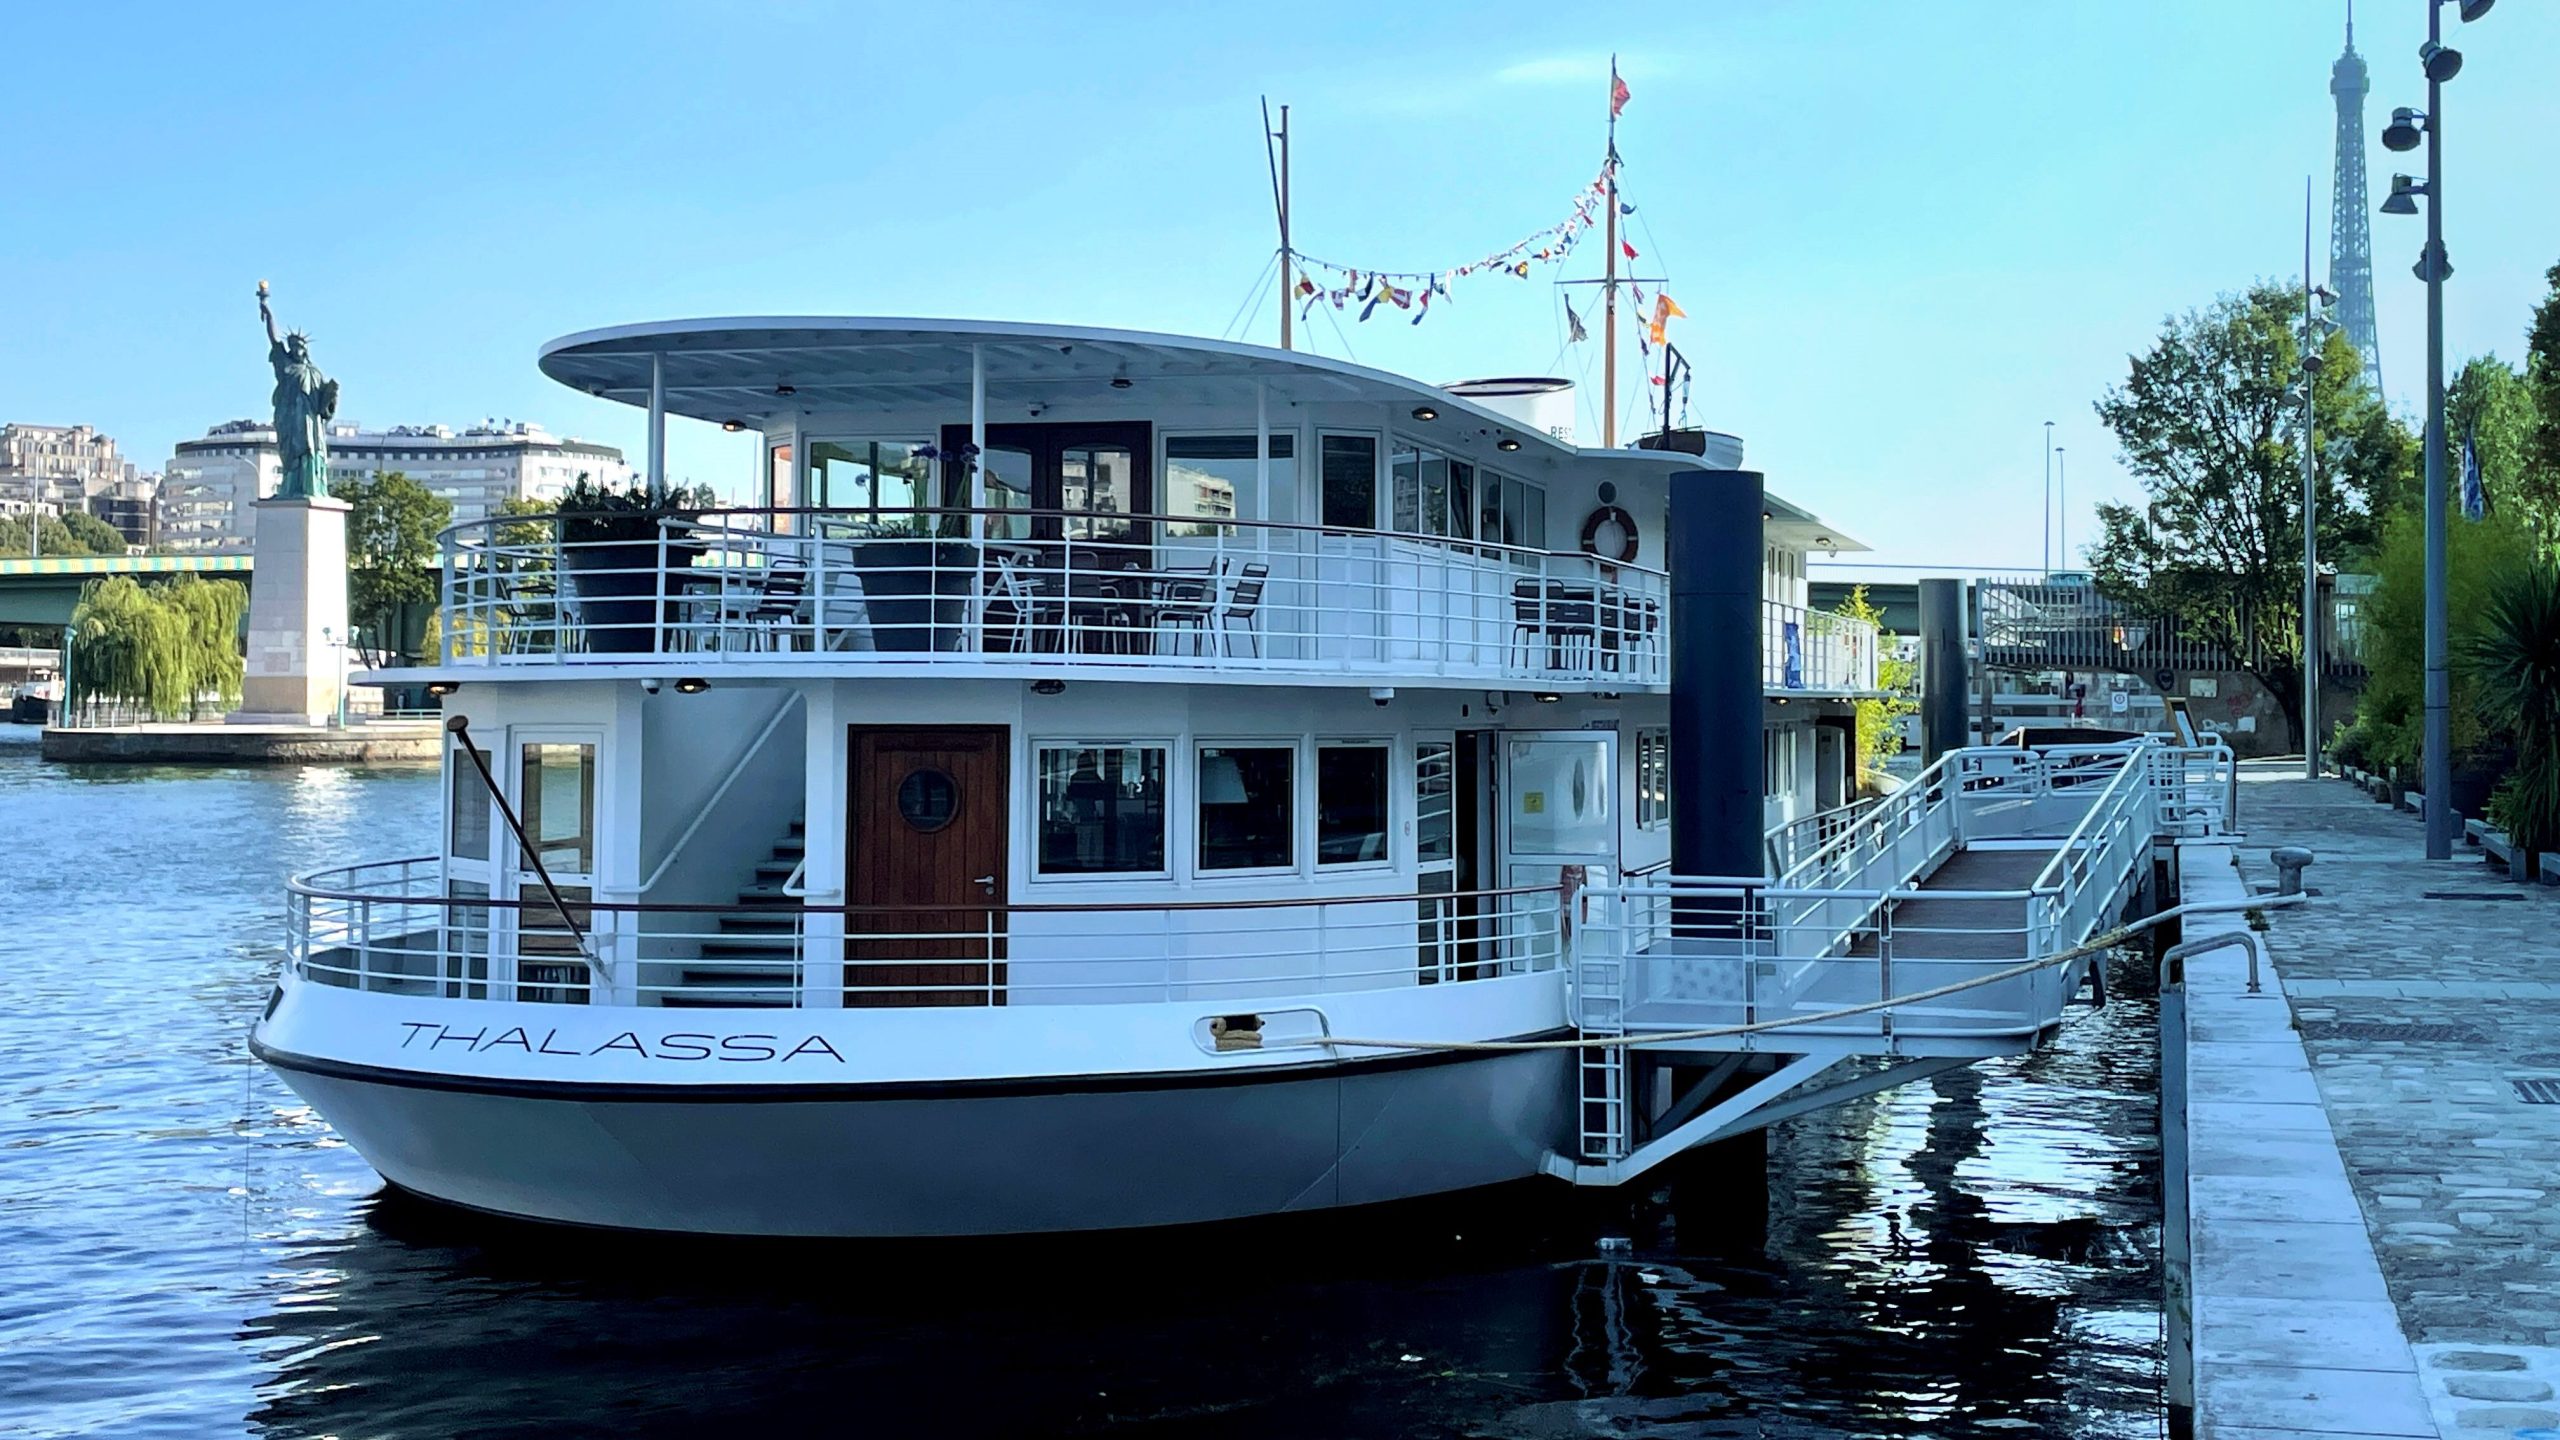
2419,993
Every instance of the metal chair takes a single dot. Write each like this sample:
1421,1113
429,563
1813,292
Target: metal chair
1244,603
1190,601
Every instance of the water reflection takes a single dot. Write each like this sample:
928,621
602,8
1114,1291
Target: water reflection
185,1248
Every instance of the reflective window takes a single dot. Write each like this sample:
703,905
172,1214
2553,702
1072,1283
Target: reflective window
1097,484
1350,482
557,800
1248,820
467,808
869,475
1351,804
1435,802
1102,809
1653,778
1559,798
1212,477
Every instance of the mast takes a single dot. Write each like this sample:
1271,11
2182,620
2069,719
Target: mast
1609,281
1278,159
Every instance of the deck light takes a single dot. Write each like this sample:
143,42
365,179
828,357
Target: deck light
786,389
441,688
692,685
1425,412
1048,687
733,426
2403,131
1547,697
1506,444
1120,382
1766,516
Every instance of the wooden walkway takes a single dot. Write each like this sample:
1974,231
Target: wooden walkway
1967,929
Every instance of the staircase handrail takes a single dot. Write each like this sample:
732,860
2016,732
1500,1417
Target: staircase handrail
702,812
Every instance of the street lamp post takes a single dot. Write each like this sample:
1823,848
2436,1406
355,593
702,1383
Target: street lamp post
2315,333
2402,134
2062,511
2047,540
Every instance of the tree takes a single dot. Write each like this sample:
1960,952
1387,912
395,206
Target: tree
167,650
2392,622
1880,719
2491,404
2513,660
2210,423
73,535
391,554
2542,381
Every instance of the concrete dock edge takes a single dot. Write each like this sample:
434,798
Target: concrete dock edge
2290,1328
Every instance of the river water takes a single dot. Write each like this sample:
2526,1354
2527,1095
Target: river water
185,1250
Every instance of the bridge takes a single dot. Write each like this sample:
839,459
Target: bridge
1952,923
42,591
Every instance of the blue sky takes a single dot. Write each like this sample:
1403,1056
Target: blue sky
1905,234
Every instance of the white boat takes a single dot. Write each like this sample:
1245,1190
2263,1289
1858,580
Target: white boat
1003,823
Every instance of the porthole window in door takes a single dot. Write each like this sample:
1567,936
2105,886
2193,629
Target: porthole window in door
928,799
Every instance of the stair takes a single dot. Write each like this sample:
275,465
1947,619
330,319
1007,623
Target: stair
737,981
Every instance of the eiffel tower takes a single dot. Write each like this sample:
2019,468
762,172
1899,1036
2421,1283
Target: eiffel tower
2350,233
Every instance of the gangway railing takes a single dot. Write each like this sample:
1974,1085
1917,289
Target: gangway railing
1830,959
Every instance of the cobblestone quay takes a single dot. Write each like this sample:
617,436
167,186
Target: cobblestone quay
2424,992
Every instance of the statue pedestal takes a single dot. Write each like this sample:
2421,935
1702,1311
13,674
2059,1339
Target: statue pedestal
297,613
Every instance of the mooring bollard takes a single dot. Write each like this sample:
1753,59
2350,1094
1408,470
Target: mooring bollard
2289,860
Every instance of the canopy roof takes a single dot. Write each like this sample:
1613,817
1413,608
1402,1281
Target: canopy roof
735,370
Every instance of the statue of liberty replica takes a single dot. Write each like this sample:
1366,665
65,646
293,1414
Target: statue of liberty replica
298,596
305,402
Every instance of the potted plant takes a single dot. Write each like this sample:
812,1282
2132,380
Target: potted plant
917,575
611,544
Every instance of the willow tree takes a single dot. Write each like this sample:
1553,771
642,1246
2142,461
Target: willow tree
168,651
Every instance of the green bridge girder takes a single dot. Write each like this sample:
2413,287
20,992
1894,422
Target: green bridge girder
43,591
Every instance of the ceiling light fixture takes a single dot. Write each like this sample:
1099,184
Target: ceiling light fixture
1425,412
786,389
692,685
1120,382
733,426
1506,444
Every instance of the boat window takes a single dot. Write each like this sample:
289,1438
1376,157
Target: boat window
557,798
1432,494
1489,488
1247,820
1102,809
1559,796
1097,487
1435,802
1351,804
467,805
1653,778
1524,515
869,475
1350,482
1209,475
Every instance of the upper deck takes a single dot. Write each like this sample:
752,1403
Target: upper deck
962,497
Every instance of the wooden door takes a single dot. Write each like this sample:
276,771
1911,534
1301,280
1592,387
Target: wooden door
926,828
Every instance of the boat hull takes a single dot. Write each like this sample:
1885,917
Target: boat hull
997,1158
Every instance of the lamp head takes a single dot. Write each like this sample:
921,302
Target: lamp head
2474,9
2403,131
2312,362
2404,193
2441,62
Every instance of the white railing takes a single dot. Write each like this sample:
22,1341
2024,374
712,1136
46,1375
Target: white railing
1045,589
1815,650
1825,933
392,927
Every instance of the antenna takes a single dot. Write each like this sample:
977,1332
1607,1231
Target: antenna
1277,157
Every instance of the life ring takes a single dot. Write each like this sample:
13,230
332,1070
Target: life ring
1610,515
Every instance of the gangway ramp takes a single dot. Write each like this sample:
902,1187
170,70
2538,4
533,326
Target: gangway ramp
1950,924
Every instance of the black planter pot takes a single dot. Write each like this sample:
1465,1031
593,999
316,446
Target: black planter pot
613,594
916,592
